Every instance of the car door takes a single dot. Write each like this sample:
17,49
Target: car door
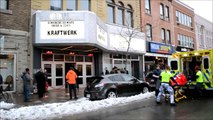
120,84
133,84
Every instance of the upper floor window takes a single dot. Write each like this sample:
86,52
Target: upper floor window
168,36
56,4
148,32
129,16
71,5
120,13
163,35
85,5
161,11
4,4
183,19
167,13
111,11
148,7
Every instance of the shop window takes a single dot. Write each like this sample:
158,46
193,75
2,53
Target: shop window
58,57
7,71
69,58
89,69
47,57
88,59
79,58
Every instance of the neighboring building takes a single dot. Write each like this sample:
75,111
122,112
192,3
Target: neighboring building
204,33
14,40
87,35
157,23
184,26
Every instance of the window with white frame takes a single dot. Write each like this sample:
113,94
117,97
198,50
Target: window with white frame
56,5
4,4
168,37
71,5
167,13
183,19
161,11
185,41
148,7
148,32
163,35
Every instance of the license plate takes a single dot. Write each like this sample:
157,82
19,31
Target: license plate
88,95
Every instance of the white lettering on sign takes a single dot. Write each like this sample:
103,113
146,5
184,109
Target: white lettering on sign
101,35
62,30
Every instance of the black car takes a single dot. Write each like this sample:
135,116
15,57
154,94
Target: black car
114,85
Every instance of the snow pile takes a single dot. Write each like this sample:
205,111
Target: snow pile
67,108
4,105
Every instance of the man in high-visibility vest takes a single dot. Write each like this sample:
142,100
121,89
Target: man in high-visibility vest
165,79
199,83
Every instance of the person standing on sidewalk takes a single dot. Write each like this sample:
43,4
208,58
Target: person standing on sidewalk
71,79
41,83
26,80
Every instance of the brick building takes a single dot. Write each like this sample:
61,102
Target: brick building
184,26
14,38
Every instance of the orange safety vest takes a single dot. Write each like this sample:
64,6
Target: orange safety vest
71,77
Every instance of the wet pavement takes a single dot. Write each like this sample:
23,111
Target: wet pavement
54,96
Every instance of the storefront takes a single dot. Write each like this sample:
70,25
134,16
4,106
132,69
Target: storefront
157,53
183,49
78,38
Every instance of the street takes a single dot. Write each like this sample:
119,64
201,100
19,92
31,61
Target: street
148,110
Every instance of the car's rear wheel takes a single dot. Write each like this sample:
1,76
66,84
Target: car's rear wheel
145,90
111,94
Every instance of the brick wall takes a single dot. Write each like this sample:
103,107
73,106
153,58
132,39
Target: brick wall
18,15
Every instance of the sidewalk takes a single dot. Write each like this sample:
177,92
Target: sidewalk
54,96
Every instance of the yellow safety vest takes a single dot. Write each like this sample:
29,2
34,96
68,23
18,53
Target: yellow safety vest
200,78
166,75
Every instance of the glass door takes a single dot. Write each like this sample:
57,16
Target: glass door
85,71
55,73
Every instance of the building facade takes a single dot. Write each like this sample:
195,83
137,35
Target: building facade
184,27
157,23
14,41
91,36
204,33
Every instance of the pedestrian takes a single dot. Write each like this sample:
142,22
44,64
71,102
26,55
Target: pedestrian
77,79
71,79
126,71
41,83
199,83
27,81
156,76
165,77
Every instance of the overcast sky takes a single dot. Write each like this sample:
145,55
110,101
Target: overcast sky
202,8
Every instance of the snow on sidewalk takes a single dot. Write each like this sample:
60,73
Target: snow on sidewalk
61,109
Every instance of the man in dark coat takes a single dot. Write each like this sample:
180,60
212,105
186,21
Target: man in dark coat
41,83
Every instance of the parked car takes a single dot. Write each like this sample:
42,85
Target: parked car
114,85
150,79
